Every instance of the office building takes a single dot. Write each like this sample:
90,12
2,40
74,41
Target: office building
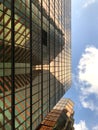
60,117
35,60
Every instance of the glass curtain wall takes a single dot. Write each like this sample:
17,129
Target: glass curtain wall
34,60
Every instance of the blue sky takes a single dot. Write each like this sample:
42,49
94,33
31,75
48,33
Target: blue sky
84,90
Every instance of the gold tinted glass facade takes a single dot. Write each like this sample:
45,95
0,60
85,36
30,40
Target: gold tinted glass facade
60,117
35,53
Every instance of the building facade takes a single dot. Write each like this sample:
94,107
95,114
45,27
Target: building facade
35,60
60,117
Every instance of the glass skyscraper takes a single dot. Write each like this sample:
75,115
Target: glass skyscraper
35,60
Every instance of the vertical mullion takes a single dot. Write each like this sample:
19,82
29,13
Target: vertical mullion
54,57
64,47
49,55
58,56
61,47
13,64
3,68
30,64
65,43
41,59
25,66
70,43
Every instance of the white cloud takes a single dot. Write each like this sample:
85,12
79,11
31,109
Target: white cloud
95,128
81,126
86,3
88,70
88,103
88,78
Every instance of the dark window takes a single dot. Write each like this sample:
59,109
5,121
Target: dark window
44,37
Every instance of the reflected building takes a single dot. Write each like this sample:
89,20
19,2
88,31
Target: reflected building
35,60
